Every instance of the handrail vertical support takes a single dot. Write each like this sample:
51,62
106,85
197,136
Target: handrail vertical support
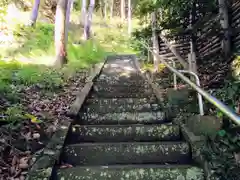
174,75
200,101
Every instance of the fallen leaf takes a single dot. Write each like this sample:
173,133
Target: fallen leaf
33,118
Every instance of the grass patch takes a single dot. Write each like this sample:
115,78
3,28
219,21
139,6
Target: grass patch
26,62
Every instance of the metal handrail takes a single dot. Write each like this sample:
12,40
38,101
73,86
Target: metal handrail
217,103
200,101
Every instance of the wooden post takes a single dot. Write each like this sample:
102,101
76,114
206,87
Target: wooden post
192,56
155,40
224,21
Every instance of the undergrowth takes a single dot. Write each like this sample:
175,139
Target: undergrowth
27,66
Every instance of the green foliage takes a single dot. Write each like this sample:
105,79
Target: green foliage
142,35
172,15
41,41
229,94
14,113
82,55
220,153
3,6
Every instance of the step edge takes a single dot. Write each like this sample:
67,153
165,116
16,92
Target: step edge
129,143
127,125
173,166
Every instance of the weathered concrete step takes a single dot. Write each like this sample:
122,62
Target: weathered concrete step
120,94
125,82
127,153
157,117
126,89
124,133
132,172
121,80
120,74
121,105
121,101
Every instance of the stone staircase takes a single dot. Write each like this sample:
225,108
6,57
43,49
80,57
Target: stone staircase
123,132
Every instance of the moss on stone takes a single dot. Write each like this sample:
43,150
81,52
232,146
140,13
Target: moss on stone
132,172
118,153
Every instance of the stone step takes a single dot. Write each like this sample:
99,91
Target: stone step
121,101
121,91
127,153
104,87
121,82
121,105
120,76
125,82
120,94
124,133
132,172
157,117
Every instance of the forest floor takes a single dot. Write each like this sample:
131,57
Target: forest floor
35,97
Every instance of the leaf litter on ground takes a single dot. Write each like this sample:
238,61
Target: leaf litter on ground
37,110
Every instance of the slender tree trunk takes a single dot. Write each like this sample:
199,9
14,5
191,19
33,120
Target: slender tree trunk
111,10
155,41
34,13
123,16
60,31
88,20
105,9
129,17
102,8
83,11
68,13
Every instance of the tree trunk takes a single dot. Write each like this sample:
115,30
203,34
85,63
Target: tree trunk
111,10
34,13
105,9
83,12
224,20
123,16
155,41
129,17
88,20
60,31
102,8
68,13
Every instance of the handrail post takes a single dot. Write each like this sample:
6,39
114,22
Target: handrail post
200,101
174,75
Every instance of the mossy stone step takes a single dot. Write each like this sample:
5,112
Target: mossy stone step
121,101
105,88
124,133
132,172
127,153
120,80
157,117
121,105
121,94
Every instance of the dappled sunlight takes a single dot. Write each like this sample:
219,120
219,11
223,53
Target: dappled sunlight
235,67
